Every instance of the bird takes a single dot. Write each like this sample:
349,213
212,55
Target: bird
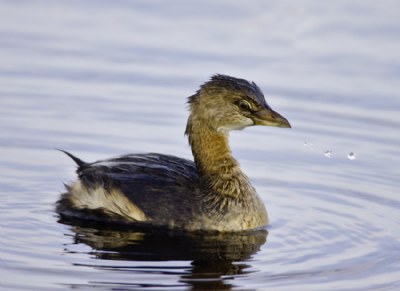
161,191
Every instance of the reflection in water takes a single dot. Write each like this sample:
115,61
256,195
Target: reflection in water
215,256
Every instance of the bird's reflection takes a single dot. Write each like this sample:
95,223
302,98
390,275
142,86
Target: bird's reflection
215,257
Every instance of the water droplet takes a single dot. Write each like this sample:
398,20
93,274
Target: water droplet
309,145
328,153
351,156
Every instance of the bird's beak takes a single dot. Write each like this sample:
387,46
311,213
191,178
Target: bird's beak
269,117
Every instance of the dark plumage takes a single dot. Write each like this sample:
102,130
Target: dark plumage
158,190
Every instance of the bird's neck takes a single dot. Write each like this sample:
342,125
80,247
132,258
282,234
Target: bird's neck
220,174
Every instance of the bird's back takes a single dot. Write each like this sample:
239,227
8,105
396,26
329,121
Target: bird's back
163,187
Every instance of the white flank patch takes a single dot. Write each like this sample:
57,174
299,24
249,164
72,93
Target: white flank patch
112,202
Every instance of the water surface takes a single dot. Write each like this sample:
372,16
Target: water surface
101,78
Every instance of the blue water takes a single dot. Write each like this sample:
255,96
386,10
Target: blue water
103,78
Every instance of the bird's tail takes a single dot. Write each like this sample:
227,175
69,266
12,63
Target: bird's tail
78,161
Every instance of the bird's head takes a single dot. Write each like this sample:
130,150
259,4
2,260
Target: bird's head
226,103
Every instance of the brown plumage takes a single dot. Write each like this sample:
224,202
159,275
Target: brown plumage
155,190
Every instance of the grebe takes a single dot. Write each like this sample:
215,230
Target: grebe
157,190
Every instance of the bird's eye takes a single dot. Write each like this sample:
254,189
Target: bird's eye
244,105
